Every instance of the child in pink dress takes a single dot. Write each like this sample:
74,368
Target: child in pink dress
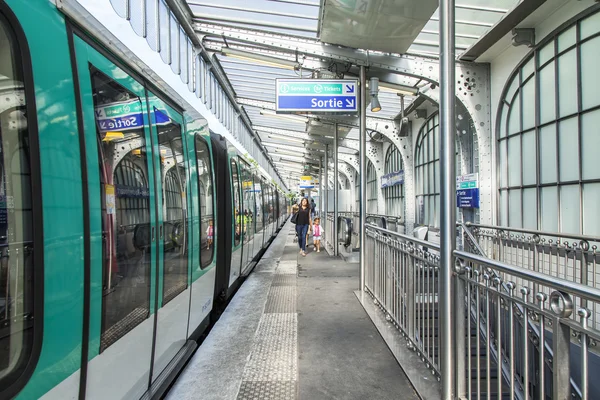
317,232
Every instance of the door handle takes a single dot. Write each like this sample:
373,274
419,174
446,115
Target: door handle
153,233
160,234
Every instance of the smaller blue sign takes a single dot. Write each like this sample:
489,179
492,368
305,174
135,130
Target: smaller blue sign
467,198
393,178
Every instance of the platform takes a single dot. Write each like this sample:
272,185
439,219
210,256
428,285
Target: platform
294,330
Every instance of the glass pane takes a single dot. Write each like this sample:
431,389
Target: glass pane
514,208
547,94
529,158
591,209
528,94
237,205
590,25
163,28
567,88
549,206
191,68
256,213
514,161
567,39
527,69
205,185
120,7
514,117
184,56
590,79
502,165
174,40
548,156
503,208
503,114
568,146
137,16
546,53
530,209
151,26
569,209
16,217
198,78
512,89
590,138
174,193
126,222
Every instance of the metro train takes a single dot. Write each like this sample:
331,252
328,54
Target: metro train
124,224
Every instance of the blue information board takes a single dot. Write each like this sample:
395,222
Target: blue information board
317,95
467,198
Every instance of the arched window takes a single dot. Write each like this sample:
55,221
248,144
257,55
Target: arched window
427,172
547,134
394,195
371,188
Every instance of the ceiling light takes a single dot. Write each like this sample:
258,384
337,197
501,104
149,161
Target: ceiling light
284,146
399,89
373,91
292,158
280,137
286,116
258,58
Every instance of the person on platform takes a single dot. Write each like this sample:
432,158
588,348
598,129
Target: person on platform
303,225
317,233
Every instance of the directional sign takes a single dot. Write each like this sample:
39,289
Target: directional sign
317,95
467,191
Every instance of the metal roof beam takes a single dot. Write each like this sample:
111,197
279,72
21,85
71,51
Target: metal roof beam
410,65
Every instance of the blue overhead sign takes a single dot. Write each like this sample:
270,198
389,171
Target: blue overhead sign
467,191
317,95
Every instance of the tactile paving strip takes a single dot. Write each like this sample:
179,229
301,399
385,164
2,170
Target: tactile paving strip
268,390
281,299
274,355
284,280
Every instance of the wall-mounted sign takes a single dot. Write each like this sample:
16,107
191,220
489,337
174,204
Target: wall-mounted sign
306,182
393,178
317,95
467,191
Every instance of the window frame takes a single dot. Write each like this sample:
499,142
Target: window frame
13,382
396,192
200,202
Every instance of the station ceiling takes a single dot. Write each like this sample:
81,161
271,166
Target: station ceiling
239,32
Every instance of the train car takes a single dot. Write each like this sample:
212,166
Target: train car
112,220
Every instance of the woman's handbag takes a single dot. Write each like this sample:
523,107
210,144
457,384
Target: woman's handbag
294,218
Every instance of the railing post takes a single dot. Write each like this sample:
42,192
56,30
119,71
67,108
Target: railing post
326,192
461,314
410,294
561,372
447,195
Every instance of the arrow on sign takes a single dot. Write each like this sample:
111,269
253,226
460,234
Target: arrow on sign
350,103
350,89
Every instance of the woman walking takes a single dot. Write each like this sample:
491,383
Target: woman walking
303,224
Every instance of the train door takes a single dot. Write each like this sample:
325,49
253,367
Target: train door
123,216
237,242
171,281
258,214
247,220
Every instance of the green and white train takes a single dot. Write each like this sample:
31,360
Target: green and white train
123,221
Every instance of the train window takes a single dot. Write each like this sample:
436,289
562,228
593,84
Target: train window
174,234
125,209
208,228
16,219
236,202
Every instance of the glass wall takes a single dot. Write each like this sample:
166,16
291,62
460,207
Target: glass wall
547,135
427,173
372,186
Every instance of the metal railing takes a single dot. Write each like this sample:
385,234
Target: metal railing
575,258
519,333
401,274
